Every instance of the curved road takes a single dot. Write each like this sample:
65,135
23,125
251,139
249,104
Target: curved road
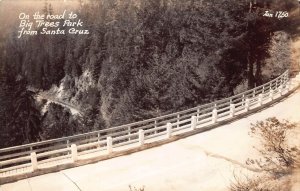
205,162
51,99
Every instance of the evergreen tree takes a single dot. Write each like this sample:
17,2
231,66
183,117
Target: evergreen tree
26,117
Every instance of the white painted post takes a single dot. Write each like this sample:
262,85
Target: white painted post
232,110
74,152
288,86
271,94
214,115
247,104
99,139
129,132
155,125
198,113
260,99
169,130
243,100
68,145
141,137
34,162
280,89
193,122
109,145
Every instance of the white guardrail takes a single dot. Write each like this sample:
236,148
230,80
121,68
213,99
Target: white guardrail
30,157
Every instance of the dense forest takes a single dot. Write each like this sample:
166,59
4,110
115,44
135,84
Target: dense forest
142,58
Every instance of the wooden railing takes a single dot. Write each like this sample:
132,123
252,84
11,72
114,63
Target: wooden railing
30,157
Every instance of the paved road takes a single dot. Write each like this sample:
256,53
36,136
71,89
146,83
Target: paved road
203,162
51,99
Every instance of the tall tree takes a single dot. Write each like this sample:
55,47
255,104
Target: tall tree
26,117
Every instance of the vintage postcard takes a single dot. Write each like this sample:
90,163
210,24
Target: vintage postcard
149,95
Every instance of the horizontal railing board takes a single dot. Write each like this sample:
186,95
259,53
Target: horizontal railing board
16,160
155,135
50,160
59,151
89,151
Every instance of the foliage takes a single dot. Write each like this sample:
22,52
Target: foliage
7,86
247,184
278,160
26,117
278,156
136,189
19,114
280,54
260,183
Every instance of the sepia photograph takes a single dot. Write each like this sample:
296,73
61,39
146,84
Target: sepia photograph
149,95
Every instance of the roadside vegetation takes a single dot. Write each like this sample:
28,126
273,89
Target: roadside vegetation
136,189
280,157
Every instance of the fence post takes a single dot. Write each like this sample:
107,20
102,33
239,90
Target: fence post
129,132
214,115
232,110
169,130
34,162
288,86
260,99
280,89
271,94
98,140
68,145
74,152
109,144
141,137
247,104
193,122
155,126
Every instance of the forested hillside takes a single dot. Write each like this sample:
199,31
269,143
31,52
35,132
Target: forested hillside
142,58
